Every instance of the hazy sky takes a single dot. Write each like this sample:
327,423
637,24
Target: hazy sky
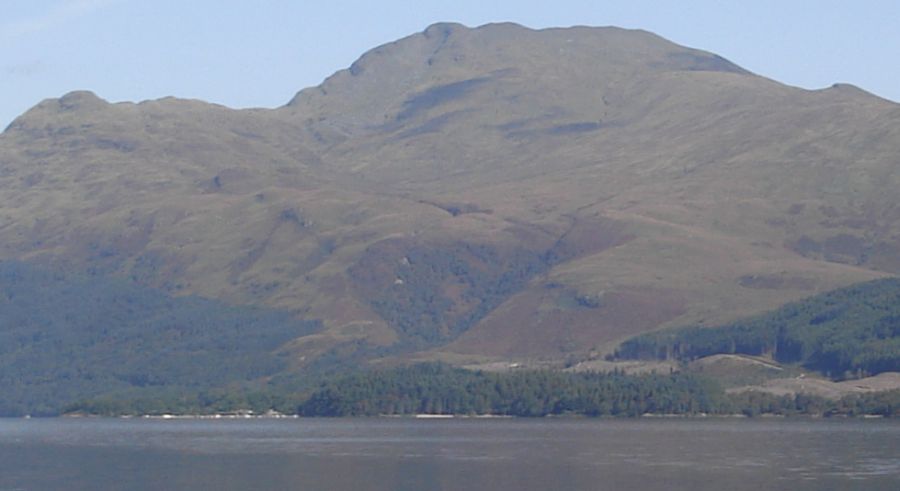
245,54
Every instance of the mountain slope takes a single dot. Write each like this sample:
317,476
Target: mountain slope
844,332
473,194
67,337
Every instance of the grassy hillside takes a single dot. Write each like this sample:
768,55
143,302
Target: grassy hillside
847,332
475,194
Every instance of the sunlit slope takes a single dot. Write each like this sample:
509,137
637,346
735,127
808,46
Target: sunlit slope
497,192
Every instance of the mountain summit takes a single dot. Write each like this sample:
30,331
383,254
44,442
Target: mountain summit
496,193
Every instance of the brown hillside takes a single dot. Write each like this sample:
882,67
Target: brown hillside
496,192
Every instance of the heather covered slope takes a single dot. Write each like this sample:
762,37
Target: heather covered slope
685,189
473,194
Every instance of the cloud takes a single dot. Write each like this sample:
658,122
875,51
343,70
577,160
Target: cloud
62,13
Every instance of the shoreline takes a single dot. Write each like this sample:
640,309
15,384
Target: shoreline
428,416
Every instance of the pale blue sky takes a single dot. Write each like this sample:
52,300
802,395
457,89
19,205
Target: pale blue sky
258,54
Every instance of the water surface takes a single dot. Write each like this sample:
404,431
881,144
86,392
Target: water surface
417,455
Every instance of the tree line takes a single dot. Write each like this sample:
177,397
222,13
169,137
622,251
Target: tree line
441,389
850,332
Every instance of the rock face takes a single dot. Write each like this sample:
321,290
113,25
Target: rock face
496,192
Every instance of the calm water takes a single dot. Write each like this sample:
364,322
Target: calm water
421,455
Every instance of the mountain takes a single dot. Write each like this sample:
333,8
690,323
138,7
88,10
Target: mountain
472,195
